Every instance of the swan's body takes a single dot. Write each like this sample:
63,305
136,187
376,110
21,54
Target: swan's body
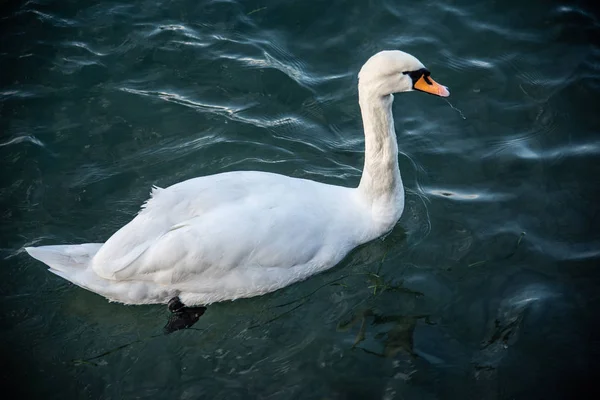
221,237
242,234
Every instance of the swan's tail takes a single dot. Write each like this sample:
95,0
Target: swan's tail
72,262
67,258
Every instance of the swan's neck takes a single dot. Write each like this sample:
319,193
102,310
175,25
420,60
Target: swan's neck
381,184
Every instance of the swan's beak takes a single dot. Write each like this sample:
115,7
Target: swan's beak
428,85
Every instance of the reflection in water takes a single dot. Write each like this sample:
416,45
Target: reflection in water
393,332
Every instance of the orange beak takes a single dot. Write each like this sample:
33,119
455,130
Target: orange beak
428,85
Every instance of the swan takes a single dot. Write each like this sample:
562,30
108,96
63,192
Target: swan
246,233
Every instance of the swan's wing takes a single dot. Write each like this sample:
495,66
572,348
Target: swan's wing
165,210
235,246
210,226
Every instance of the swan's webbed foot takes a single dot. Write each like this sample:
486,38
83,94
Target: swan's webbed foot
182,317
175,304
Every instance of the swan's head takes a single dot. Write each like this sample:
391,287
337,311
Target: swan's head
395,71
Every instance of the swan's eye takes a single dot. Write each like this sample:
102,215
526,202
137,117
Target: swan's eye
416,75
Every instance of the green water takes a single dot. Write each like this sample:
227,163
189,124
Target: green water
486,289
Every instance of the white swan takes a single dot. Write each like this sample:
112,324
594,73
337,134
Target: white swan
243,234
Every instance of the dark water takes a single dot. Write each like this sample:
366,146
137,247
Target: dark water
488,287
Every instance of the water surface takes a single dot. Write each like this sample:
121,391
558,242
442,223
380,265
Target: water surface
486,289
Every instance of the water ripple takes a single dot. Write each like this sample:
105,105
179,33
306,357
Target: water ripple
230,112
21,139
558,250
461,195
87,47
53,20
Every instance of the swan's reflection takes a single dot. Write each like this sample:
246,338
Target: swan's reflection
393,333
